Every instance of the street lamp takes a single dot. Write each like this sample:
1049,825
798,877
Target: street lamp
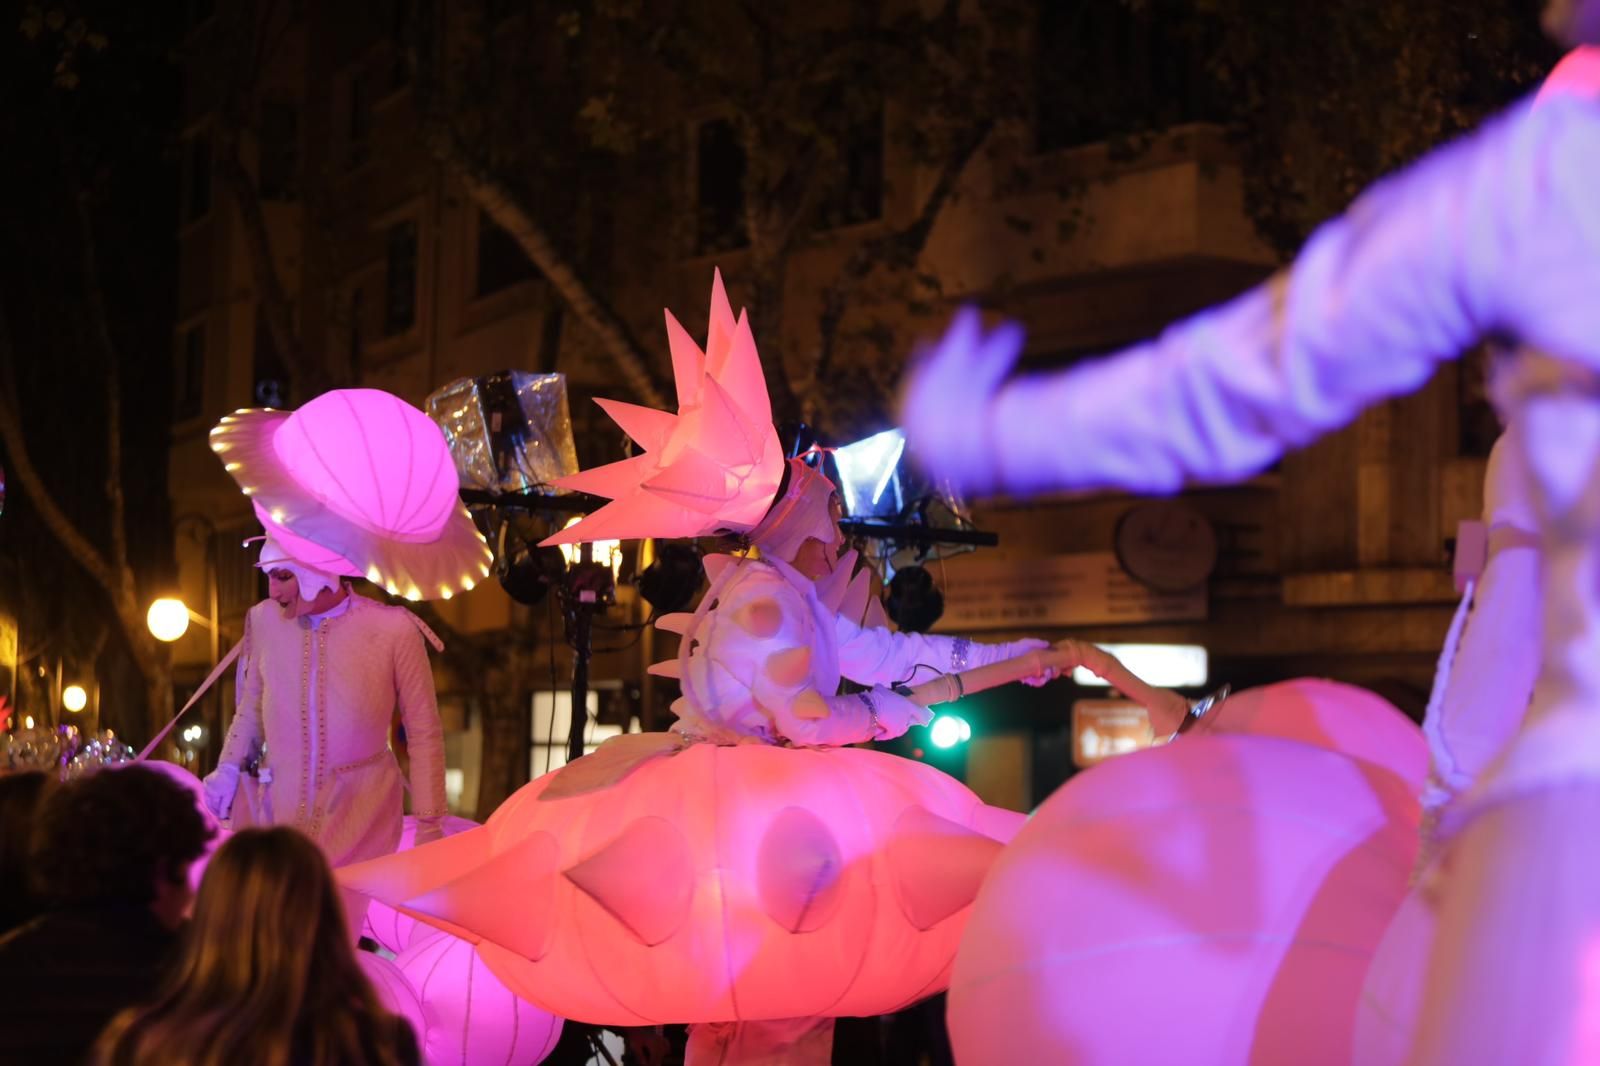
74,698
168,618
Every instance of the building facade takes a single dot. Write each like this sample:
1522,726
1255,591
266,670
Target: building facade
1335,563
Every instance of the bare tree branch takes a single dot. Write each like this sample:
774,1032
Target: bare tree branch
510,213
101,327
898,248
248,41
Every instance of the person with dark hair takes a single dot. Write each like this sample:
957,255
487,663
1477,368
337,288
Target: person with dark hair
265,974
20,797
109,858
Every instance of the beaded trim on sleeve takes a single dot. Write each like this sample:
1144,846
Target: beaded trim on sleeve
872,711
959,652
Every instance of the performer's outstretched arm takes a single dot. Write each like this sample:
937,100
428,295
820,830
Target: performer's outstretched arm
1496,234
419,711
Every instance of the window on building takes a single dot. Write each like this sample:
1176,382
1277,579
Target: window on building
238,579
196,177
280,150
501,261
269,377
1104,68
189,401
719,188
400,279
854,190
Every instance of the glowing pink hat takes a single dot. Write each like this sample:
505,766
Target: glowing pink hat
358,482
715,465
1578,74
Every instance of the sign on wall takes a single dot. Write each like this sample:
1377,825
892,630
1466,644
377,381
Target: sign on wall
1102,729
1085,588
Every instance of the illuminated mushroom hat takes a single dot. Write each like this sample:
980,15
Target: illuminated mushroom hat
362,483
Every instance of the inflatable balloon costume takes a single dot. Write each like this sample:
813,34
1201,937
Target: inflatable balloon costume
1497,235
741,872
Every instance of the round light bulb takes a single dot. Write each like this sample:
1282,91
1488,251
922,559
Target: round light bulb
168,619
74,699
948,730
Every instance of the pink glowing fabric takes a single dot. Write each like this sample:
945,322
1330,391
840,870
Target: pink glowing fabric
387,926
364,478
1337,717
470,1018
1578,74
1214,900
715,465
782,883
394,991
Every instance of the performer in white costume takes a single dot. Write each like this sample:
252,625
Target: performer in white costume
1496,235
320,676
355,483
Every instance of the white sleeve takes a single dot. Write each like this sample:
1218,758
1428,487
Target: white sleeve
1498,233
869,655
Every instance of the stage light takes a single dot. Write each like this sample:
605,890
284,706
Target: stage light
868,474
74,698
948,730
168,619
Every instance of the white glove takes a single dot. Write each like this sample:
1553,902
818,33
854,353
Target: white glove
220,785
893,713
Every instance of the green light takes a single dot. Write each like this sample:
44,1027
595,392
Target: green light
948,730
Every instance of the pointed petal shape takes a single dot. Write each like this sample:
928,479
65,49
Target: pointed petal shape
810,705
506,899
696,481
666,668
676,622
831,587
679,707
648,427
854,604
800,871
651,907
716,564
404,875
936,865
720,326
615,480
688,363
788,668
875,617
742,377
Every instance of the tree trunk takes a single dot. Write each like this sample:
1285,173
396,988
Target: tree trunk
504,767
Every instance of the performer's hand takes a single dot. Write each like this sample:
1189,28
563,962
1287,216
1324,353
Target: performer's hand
220,786
945,405
428,830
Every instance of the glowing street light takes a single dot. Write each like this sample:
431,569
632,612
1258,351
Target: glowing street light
74,698
168,619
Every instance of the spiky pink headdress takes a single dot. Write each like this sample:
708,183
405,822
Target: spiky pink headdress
716,465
